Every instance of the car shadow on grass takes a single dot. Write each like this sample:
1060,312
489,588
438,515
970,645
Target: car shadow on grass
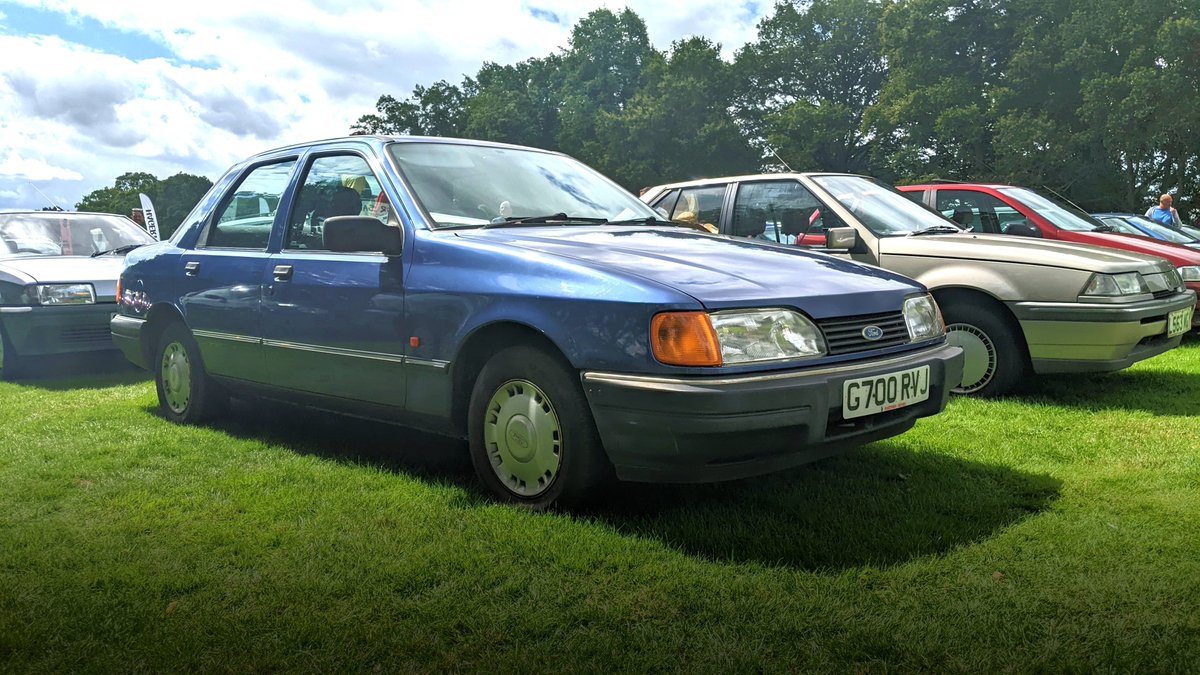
1160,392
347,439
79,371
879,505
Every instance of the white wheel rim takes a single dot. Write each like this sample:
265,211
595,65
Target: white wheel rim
979,356
523,438
176,378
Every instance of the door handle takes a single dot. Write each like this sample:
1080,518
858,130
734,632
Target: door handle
191,268
283,272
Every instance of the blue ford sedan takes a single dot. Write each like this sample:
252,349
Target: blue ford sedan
518,299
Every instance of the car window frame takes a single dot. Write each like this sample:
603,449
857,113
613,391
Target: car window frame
297,185
230,192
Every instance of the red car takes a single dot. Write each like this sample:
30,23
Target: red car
1005,209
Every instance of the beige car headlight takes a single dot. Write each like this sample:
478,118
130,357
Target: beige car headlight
1109,285
923,318
61,294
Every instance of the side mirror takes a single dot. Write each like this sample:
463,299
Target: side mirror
355,234
1022,228
841,238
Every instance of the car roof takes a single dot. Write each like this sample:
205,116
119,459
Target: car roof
749,177
380,140
926,186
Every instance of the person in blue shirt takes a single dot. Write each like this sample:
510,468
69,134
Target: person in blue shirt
1165,213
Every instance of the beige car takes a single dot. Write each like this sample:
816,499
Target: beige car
1014,305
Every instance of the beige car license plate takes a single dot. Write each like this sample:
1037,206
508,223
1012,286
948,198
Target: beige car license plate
1179,321
871,395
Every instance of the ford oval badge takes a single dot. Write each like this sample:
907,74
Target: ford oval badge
872,333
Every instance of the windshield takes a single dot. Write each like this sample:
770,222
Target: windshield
55,233
880,207
1061,215
472,185
1168,234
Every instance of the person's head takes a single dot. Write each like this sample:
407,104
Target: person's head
1164,202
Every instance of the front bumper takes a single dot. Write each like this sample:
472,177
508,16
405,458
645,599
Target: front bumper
127,336
706,429
1085,337
47,331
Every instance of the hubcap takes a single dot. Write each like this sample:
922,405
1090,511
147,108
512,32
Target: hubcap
523,438
979,356
176,377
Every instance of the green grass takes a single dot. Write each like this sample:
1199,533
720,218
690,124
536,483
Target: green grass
1057,531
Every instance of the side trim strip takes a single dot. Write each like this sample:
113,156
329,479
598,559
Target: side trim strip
15,310
429,363
231,337
655,382
336,351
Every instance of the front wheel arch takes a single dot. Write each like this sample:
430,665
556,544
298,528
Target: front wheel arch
984,312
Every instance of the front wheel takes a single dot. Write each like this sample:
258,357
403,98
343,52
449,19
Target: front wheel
186,394
532,438
994,361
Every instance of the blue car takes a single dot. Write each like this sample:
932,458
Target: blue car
1141,226
516,298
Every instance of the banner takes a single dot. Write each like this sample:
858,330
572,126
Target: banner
148,216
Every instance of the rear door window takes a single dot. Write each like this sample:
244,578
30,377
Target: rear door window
700,205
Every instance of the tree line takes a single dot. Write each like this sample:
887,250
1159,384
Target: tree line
1098,100
173,197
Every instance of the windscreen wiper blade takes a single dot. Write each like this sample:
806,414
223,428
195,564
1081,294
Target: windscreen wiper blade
544,220
937,229
120,249
1104,228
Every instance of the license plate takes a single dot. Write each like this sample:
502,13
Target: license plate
871,395
1179,321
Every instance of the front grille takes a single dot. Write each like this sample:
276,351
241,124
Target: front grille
845,335
86,335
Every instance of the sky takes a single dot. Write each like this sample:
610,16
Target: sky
91,89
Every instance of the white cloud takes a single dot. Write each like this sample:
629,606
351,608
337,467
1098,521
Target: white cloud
246,77
13,165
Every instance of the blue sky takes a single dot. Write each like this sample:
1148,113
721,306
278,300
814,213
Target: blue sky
90,89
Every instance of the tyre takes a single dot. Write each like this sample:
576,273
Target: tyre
994,357
533,441
186,394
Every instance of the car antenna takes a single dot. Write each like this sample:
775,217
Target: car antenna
1047,188
785,164
53,206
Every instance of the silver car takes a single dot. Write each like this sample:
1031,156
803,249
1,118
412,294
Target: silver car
1015,305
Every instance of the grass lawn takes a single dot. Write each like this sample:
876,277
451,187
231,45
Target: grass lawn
1055,531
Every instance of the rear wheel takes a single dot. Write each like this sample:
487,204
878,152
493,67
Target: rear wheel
994,361
532,438
186,394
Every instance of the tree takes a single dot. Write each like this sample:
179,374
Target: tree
679,125
173,198
436,110
808,79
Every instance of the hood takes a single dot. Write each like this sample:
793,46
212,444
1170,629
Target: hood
101,272
1178,255
719,272
1024,250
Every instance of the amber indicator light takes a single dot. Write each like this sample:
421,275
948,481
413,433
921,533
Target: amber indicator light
684,339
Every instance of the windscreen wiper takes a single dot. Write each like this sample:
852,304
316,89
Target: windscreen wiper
544,220
1104,228
120,249
937,229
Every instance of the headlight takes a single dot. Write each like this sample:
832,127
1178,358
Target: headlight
1190,273
733,337
923,317
1127,283
61,294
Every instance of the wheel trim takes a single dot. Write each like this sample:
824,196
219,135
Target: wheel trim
979,356
176,377
523,438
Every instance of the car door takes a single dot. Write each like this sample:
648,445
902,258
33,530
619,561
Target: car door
783,211
333,323
220,280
